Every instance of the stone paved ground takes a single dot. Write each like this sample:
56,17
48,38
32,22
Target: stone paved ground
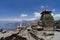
56,36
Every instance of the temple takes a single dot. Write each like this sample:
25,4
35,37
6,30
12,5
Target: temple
47,20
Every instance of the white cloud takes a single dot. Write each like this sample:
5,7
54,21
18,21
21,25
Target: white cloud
30,19
10,19
53,14
37,14
16,19
53,10
24,15
56,16
42,6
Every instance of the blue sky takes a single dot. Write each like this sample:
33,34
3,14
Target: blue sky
12,10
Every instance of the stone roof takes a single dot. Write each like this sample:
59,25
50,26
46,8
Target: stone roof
46,12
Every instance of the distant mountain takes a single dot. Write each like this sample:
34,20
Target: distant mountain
13,25
9,25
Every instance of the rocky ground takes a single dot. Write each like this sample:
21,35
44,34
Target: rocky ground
29,35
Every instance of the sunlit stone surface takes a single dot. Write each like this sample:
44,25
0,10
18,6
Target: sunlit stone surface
56,36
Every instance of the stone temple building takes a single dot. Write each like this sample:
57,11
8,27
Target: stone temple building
47,20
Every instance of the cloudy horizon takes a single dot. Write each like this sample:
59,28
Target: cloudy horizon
17,10
36,16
